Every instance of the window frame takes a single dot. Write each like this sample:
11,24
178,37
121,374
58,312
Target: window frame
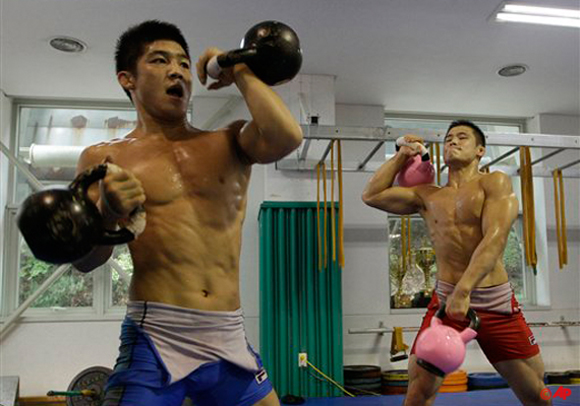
102,308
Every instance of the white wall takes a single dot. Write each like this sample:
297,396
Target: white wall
48,355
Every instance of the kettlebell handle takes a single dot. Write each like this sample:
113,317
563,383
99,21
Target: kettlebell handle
217,63
80,185
471,315
401,142
137,220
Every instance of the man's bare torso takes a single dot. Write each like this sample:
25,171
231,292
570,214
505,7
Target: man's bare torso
196,188
453,216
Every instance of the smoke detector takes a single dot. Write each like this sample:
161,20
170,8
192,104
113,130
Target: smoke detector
67,44
512,70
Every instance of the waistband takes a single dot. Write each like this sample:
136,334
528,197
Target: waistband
499,298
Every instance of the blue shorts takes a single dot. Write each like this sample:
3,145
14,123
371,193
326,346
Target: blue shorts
141,379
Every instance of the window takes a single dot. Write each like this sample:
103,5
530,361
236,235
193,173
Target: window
410,289
49,141
411,285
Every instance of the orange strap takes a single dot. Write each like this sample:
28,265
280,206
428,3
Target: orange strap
409,240
318,216
527,187
340,209
438,160
563,218
325,211
332,216
559,203
403,243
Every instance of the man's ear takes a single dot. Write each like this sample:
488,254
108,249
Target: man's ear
480,151
126,80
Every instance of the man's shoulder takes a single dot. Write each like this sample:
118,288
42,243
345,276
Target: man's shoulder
496,182
98,152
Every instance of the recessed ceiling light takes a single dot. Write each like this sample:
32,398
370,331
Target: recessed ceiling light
512,70
67,44
521,13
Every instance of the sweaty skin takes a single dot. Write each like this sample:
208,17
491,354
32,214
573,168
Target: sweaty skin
469,219
193,183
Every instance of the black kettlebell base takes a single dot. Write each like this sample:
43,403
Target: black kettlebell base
431,368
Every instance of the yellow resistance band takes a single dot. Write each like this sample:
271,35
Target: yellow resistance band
318,216
325,211
332,215
340,209
438,160
560,207
528,206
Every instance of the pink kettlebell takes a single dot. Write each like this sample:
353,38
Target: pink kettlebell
418,170
441,349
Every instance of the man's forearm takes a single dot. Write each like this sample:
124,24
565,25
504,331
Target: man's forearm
274,120
385,176
482,262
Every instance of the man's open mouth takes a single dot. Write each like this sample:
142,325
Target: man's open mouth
175,91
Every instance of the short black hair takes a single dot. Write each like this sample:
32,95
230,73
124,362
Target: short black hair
131,44
479,135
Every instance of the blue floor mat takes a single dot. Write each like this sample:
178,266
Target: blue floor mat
495,397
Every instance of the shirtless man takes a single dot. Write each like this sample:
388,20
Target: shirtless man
469,221
183,334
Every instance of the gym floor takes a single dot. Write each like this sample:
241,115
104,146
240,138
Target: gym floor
495,397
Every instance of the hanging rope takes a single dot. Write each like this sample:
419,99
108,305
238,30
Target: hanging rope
318,216
527,187
340,209
325,211
438,160
332,215
560,207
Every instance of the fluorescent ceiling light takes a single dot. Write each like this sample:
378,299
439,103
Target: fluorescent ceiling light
539,15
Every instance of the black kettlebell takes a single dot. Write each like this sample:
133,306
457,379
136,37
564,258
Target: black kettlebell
62,225
271,49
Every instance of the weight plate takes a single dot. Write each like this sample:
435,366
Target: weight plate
361,371
574,374
562,378
362,381
486,380
396,375
93,378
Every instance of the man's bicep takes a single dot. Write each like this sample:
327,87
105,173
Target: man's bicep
397,200
499,214
250,142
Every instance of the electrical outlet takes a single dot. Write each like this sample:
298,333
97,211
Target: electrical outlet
302,360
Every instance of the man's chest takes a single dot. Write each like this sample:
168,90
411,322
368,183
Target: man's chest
192,170
461,206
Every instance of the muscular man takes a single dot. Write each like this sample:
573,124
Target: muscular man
469,221
183,334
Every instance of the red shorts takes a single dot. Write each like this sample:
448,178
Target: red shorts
501,336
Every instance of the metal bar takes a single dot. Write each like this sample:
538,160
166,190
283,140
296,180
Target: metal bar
325,153
122,273
501,157
551,154
304,152
384,330
326,132
370,155
569,165
28,302
34,182
309,165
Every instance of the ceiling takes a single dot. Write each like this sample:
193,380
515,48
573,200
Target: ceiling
413,56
